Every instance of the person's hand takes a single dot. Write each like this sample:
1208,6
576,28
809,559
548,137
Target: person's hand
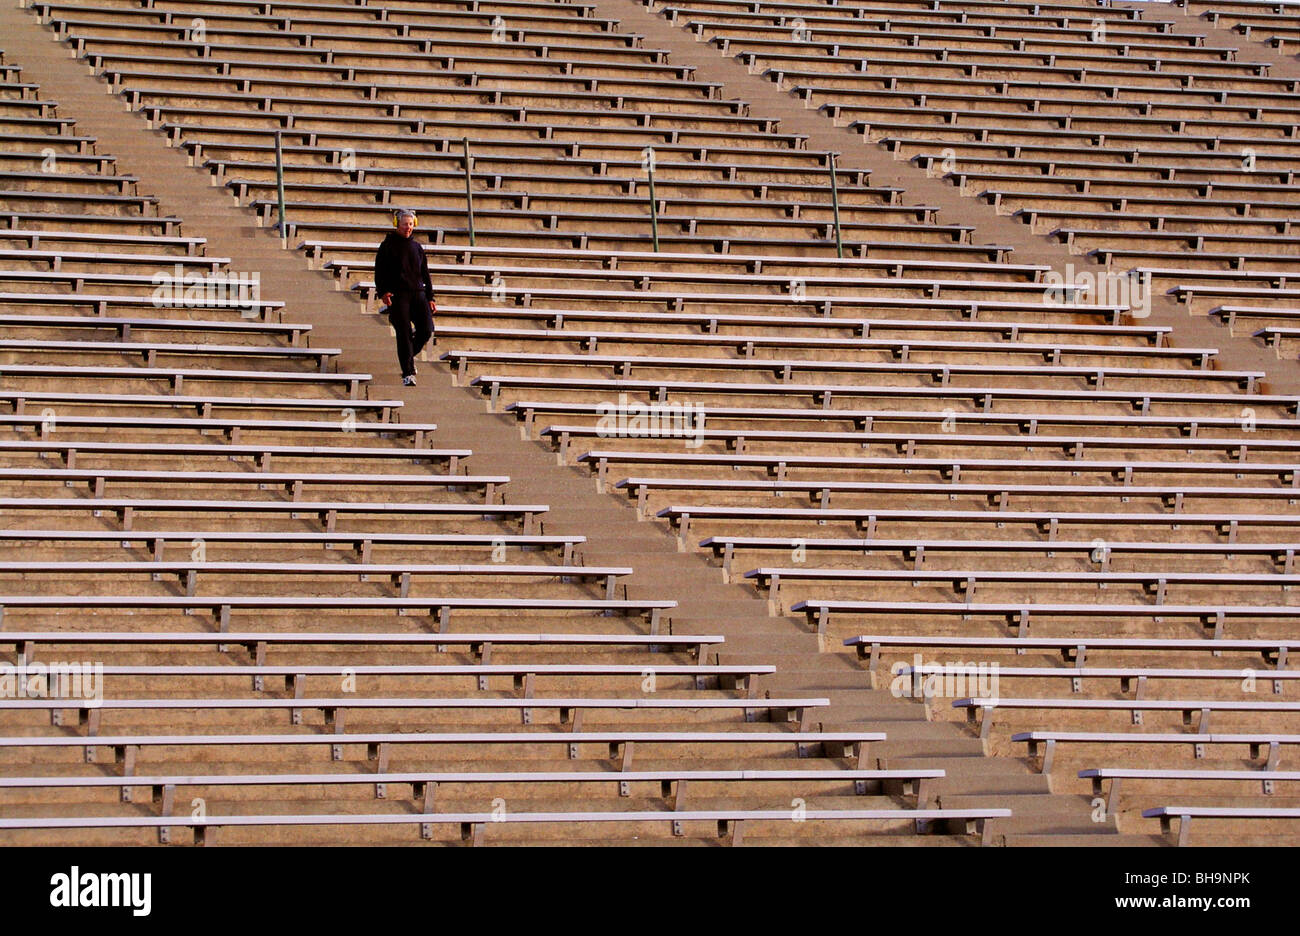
386,298
433,306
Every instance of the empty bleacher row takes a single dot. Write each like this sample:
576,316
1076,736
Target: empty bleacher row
956,562
946,372
558,130
226,569
1275,24
1120,132
884,472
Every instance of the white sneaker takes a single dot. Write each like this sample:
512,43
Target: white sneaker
408,381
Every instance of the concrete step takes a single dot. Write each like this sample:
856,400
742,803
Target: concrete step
902,743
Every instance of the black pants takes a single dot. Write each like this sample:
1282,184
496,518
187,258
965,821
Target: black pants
413,322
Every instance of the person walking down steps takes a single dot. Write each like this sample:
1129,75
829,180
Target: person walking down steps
403,285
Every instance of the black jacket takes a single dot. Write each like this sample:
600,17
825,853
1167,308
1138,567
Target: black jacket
401,267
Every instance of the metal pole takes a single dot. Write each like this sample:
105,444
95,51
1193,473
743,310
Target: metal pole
279,181
835,203
654,210
469,194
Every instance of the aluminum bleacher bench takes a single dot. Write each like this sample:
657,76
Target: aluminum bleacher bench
643,279
676,299
1156,165
102,302
859,242
949,468
1074,649
150,351
232,429
292,483
865,420
722,249
90,713
155,102
331,48
1155,222
69,182
35,236
906,445
464,255
524,675
1197,241
709,321
145,205
124,326
261,455
399,573
1139,399
621,744
581,232
1235,259
729,825
56,258
969,180
327,512
1276,279
1032,122
915,550
345,411
677,183
940,372
591,153
675,201
316,143
998,11
239,12
1128,677
60,125
203,405
965,582
176,376
1046,522
673,783
572,216
348,65
686,217
1266,778
832,41
1230,313
975,707
361,542
1274,335
1257,743
746,343
1097,136
673,196
1018,614
480,645
1000,198
82,144
1185,814
89,162
312,126
440,608
999,494
1186,293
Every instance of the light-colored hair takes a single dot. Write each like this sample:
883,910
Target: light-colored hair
403,213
